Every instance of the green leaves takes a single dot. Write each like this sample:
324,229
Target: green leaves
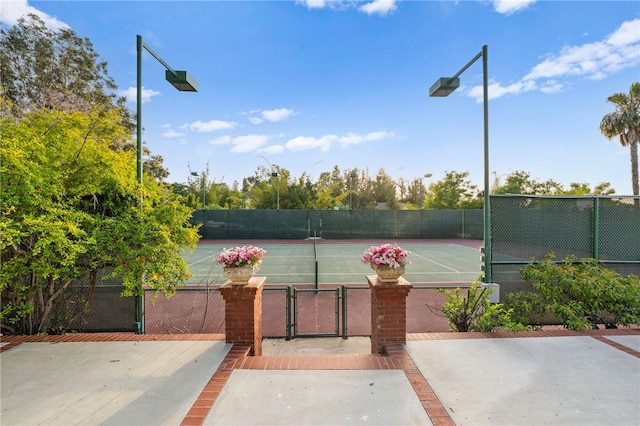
70,205
579,293
471,310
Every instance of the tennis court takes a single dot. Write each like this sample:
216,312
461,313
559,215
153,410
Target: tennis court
339,261
290,305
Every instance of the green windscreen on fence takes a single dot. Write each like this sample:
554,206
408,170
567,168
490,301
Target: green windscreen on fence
338,224
599,227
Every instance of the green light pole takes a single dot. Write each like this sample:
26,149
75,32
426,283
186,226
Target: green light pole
182,81
444,87
351,176
203,185
277,176
423,194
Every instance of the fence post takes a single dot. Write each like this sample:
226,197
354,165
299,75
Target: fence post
344,312
388,312
596,227
243,313
288,313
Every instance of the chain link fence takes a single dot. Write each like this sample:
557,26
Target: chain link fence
522,227
201,310
606,228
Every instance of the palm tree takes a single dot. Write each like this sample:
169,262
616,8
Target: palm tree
625,122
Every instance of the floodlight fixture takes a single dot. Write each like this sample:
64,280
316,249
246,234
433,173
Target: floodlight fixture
444,87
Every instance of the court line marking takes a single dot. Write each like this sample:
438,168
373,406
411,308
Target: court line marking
437,263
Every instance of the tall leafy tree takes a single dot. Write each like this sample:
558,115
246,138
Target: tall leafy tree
45,69
70,207
624,122
454,191
42,69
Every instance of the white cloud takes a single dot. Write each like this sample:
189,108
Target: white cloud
272,149
381,7
12,10
171,134
131,94
628,33
592,61
248,143
352,138
273,115
210,126
324,143
277,114
511,6
313,4
303,143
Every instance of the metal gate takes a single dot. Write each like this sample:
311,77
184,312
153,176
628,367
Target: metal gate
318,312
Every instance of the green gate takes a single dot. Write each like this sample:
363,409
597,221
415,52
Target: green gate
318,312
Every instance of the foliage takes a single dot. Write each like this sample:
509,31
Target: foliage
579,293
454,191
356,189
41,69
390,255
521,182
624,122
44,69
471,310
241,256
70,206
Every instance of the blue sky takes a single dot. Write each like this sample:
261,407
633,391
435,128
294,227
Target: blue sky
307,85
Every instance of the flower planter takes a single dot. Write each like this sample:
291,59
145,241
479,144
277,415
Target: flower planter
240,275
240,263
388,274
388,260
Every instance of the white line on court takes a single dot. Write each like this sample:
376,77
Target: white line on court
201,260
437,263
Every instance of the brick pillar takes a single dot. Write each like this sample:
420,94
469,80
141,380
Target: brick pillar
243,313
388,312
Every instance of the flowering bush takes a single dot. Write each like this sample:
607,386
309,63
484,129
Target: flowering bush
386,255
241,256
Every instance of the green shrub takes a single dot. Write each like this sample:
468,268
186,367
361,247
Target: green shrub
581,294
471,310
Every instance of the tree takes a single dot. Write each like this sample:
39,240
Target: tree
455,191
385,189
70,207
625,123
44,69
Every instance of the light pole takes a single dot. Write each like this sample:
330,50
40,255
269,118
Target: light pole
351,176
443,87
275,175
203,184
182,81
422,191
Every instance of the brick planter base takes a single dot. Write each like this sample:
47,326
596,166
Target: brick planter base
388,312
243,313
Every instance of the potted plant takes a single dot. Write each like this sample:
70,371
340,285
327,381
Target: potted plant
388,260
240,263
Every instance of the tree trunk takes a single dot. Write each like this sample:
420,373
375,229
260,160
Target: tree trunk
633,149
53,295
